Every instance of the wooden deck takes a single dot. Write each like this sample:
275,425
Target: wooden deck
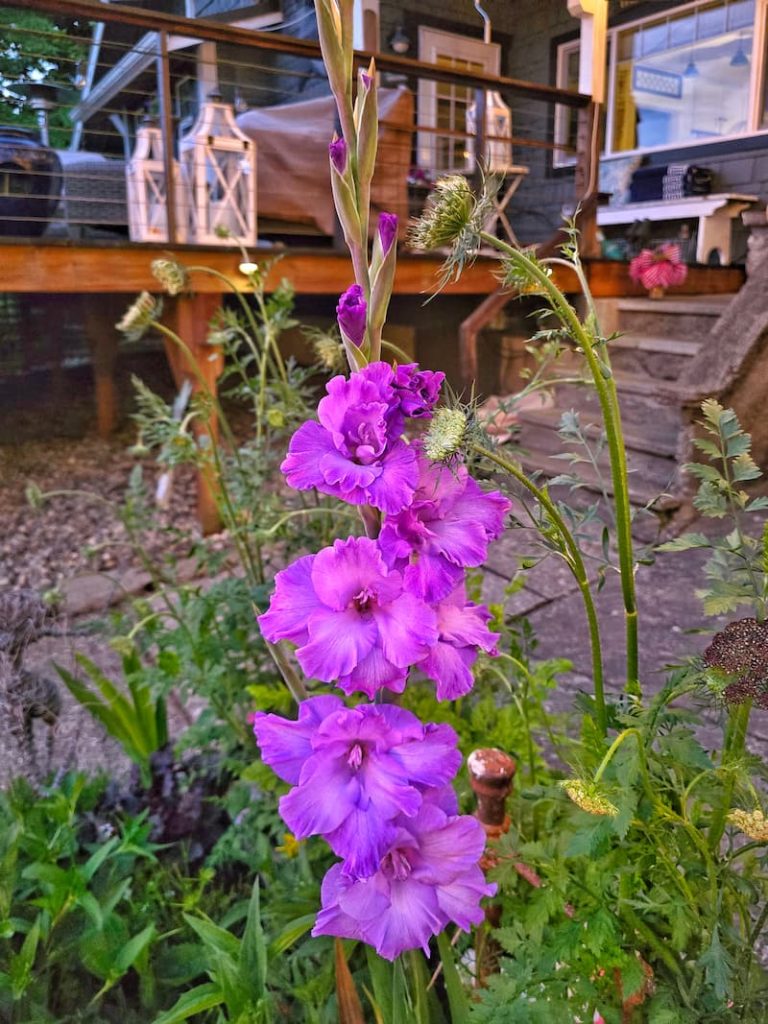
100,268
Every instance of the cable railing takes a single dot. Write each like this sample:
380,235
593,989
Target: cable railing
118,122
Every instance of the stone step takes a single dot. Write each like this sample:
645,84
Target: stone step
659,358
648,436
688,318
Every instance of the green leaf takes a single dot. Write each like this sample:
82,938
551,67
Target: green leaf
686,542
291,933
197,1000
129,953
717,966
253,951
381,978
94,862
22,962
214,938
457,997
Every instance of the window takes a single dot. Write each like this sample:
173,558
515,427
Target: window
567,118
443,106
683,78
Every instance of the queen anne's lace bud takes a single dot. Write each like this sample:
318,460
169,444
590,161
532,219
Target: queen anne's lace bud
446,434
752,823
139,315
171,275
588,797
448,213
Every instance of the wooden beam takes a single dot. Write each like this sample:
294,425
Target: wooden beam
72,268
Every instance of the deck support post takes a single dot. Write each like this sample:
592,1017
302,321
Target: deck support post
100,318
189,317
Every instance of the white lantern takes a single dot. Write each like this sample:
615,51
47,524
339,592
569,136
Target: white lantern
498,127
219,164
146,188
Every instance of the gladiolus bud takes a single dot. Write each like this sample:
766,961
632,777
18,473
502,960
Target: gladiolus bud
351,313
337,150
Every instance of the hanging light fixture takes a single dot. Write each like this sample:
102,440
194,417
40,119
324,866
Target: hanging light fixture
739,59
691,68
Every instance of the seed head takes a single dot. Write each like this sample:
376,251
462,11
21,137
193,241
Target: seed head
447,215
171,275
588,797
741,652
753,824
138,317
446,435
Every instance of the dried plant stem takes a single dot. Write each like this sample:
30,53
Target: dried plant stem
575,563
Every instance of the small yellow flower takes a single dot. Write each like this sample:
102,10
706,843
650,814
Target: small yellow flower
445,435
588,797
291,845
752,823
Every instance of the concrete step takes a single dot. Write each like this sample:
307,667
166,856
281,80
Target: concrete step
690,318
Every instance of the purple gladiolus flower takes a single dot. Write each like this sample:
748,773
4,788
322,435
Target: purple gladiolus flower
351,617
428,877
418,390
337,150
387,228
446,528
351,313
358,770
355,452
463,628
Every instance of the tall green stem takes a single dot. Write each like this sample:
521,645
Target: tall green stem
575,562
605,385
735,743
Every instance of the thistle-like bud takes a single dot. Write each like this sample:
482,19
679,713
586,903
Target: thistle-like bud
139,316
753,824
446,435
588,797
447,216
172,276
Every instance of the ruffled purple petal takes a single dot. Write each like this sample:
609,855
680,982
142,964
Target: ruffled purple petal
362,839
460,900
328,793
432,760
306,450
451,669
411,919
395,486
407,627
342,571
372,674
447,846
338,642
292,603
285,744
432,576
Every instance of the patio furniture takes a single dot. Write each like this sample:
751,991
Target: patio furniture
93,193
293,185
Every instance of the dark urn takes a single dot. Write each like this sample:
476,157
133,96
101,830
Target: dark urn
30,183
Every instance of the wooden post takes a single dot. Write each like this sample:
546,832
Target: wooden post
189,317
100,316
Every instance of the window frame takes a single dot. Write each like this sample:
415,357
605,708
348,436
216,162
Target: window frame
756,100
463,47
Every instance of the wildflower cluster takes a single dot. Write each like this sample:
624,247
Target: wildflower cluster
364,613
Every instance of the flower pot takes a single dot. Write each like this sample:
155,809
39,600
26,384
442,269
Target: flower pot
657,292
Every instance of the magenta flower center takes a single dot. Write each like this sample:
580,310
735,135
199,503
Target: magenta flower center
355,756
396,865
364,599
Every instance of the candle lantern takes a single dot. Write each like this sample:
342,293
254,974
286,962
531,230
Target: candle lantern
145,181
219,165
498,128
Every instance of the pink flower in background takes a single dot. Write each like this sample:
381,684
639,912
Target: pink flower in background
353,619
661,267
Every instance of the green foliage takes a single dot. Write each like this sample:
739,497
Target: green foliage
37,48
138,720
737,568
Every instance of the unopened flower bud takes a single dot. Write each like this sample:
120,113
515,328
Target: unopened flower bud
588,797
139,315
351,313
171,275
337,150
447,215
446,434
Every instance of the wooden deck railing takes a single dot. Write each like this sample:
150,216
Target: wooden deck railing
125,62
